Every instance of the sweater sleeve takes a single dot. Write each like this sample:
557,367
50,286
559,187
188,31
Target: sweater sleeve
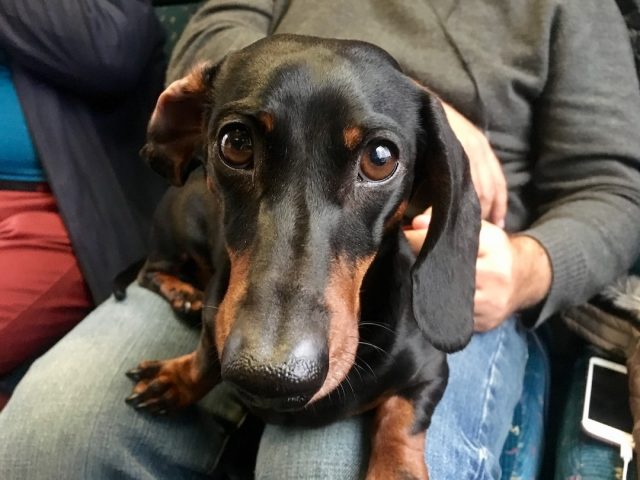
94,47
587,154
220,27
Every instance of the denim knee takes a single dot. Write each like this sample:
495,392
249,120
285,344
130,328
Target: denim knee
339,450
67,417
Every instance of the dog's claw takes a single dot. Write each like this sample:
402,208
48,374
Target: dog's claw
152,406
142,371
160,387
141,406
133,399
140,402
134,374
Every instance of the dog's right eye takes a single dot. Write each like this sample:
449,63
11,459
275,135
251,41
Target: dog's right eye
378,161
236,146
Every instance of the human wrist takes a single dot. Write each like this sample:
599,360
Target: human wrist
531,272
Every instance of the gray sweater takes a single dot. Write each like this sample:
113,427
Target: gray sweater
551,82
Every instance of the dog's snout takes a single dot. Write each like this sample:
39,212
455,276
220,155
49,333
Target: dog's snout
293,374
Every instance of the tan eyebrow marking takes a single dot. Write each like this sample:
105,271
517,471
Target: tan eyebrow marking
352,137
266,119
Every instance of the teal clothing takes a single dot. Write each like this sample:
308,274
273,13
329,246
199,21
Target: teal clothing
88,74
18,159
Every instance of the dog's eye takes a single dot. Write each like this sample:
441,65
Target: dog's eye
236,146
378,161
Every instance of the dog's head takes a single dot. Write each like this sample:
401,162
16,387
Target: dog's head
316,147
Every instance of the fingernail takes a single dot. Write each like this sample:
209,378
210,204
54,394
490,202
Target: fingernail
421,221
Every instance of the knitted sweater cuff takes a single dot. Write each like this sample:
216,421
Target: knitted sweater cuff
569,268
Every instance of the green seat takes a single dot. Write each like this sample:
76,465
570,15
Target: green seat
174,18
579,456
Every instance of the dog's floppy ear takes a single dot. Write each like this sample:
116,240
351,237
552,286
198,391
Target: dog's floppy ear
176,130
443,275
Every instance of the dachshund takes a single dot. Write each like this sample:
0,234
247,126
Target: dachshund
314,152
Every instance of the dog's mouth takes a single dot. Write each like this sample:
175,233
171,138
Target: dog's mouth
276,404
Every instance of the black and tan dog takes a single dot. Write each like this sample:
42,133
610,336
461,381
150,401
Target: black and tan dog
314,149
186,250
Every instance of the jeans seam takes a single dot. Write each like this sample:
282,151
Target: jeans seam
488,397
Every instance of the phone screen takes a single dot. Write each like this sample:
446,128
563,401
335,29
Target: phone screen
610,399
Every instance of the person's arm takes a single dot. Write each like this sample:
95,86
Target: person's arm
220,27
587,151
513,272
586,178
486,170
93,47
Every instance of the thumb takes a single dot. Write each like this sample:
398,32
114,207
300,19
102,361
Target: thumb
421,222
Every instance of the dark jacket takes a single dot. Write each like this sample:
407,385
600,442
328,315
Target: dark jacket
87,74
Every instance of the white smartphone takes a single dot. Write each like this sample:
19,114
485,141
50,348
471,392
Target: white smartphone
606,414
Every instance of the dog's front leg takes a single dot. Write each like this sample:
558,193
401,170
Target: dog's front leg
397,452
166,385
185,299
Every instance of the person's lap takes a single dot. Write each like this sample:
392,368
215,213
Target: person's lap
42,291
466,436
68,419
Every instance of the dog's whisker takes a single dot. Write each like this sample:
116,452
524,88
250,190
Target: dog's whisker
361,370
344,393
381,350
374,324
357,369
368,366
350,386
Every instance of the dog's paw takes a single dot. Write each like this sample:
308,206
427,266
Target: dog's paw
165,386
186,300
187,303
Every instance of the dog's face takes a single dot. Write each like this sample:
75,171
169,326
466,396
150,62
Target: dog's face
314,147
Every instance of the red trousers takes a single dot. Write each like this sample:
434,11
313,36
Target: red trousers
42,292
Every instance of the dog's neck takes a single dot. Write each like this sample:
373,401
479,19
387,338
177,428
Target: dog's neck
385,295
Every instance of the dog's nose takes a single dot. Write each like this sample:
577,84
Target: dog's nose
276,373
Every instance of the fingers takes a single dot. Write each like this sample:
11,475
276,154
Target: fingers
483,184
490,302
498,208
418,232
416,239
490,236
493,299
422,221
486,170
489,182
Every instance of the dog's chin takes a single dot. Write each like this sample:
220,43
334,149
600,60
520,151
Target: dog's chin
279,404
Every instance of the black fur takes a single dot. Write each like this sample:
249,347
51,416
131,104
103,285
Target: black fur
303,205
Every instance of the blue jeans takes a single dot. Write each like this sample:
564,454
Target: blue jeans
67,418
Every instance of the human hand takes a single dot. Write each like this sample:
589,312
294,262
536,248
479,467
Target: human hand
512,272
417,234
495,294
486,171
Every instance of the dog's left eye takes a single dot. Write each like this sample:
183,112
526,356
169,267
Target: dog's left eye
378,161
236,146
